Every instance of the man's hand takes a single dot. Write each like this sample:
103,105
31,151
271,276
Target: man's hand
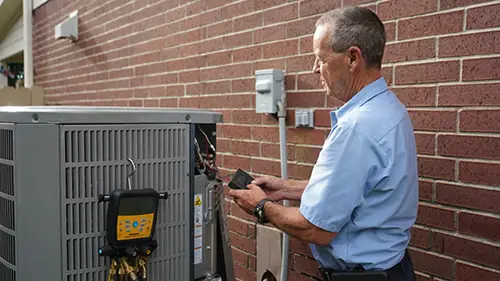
272,186
248,199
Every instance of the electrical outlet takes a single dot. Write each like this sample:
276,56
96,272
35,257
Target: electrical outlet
304,118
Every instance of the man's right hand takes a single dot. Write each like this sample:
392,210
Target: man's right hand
272,186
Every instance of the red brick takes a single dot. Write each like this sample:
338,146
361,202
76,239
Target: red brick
425,190
426,143
236,131
481,173
416,96
219,58
238,212
245,148
309,81
265,134
270,150
301,172
237,226
390,31
169,102
266,64
306,45
300,247
469,250
281,14
265,4
301,27
474,95
322,118
483,17
307,154
387,73
420,237
306,136
244,274
223,145
238,9
219,87
468,197
466,272
431,263
442,23
470,44
408,51
469,146
236,162
448,4
481,69
246,117
271,33
433,120
479,225
280,49
295,276
189,76
240,39
423,277
239,257
247,22
252,263
266,167
306,265
227,71
480,121
247,54
436,217
312,7
242,85
300,63
436,168
306,99
397,9
428,72
220,28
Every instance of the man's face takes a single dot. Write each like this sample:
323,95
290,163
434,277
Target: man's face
332,67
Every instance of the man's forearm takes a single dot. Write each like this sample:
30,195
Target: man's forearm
291,221
293,189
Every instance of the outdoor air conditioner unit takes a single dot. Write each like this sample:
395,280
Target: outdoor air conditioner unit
56,161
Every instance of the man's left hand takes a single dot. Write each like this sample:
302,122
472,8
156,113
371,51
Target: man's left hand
248,199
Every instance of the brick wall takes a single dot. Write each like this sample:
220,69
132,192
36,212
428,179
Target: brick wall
442,60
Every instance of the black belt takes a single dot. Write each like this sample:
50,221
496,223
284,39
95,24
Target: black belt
359,274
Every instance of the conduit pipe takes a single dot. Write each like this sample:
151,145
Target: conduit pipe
284,176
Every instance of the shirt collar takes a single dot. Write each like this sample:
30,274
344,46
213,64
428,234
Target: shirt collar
368,92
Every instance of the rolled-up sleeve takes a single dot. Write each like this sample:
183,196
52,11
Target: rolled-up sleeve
339,179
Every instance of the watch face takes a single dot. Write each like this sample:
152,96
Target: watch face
259,214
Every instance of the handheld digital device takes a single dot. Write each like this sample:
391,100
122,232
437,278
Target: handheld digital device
130,226
240,180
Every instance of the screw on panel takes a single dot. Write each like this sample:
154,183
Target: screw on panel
188,117
34,117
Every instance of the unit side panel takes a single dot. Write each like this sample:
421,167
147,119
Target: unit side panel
37,192
7,204
95,162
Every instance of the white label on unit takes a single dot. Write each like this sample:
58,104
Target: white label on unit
198,228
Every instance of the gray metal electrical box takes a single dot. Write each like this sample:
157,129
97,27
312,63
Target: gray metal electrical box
55,161
270,88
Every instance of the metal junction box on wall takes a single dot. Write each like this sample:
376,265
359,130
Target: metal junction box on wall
55,161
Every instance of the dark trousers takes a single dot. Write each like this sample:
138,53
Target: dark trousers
403,271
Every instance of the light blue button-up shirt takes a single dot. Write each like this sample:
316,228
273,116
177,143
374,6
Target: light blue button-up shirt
364,185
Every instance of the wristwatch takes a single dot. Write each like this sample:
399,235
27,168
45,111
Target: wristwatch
258,211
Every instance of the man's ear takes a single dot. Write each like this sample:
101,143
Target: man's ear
354,57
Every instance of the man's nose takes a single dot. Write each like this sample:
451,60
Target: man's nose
315,66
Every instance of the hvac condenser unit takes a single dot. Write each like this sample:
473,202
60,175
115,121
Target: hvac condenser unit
55,162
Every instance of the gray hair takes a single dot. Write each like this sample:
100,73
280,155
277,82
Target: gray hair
356,26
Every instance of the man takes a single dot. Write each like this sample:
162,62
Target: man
361,200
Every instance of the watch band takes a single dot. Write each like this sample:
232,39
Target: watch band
259,210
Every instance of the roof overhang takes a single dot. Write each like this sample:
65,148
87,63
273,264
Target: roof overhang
10,11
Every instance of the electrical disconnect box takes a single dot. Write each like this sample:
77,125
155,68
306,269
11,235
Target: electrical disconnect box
270,88
88,193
